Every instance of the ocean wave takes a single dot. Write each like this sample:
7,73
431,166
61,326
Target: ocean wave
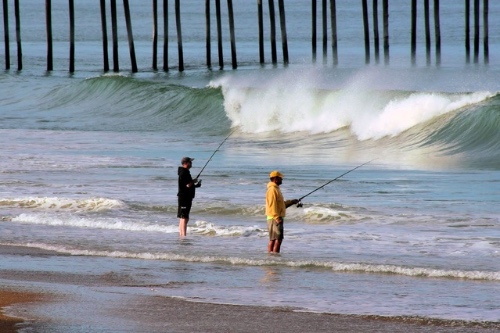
320,214
311,213
211,229
449,128
95,223
473,132
422,272
198,227
284,105
369,114
62,204
126,104
462,126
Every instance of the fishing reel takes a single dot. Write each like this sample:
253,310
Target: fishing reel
299,204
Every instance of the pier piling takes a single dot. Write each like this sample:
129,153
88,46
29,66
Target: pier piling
208,45
114,29
165,35
324,24
71,36
385,13
375,31
284,41
128,22
48,25
104,36
154,59
274,55
18,35
467,31
476,31
413,31
366,31
333,20
220,49
313,28
6,33
260,14
232,34
427,32
437,32
485,32
179,35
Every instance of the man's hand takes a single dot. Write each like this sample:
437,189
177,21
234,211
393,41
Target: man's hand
289,203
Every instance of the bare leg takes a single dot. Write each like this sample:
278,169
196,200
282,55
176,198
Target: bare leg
277,246
270,246
183,227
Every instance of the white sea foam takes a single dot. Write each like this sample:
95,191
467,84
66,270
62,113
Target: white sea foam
62,204
95,223
291,105
334,266
199,227
207,228
323,214
401,114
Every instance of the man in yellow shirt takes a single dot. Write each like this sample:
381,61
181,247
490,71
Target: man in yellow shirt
276,210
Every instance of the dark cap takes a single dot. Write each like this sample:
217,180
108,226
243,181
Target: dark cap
186,160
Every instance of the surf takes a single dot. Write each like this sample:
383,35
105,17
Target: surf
446,127
333,266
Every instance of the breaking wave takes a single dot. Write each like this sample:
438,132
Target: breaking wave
334,266
62,204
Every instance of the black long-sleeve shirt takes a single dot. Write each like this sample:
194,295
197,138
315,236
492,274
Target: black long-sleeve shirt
184,179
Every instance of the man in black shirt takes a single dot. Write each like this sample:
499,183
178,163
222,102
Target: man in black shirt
186,193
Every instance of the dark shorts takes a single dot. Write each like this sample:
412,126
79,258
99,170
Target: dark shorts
276,231
184,208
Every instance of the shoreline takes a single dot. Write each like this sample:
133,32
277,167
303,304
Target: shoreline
212,317
157,313
63,302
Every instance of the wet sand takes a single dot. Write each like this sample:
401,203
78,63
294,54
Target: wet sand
111,305
10,297
165,314
182,316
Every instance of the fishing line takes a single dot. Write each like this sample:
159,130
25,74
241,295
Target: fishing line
299,204
227,137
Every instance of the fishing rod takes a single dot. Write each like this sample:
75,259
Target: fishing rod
227,137
299,204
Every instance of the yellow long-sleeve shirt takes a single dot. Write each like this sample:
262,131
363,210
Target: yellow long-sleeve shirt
275,203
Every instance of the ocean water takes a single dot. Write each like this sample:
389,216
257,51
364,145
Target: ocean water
88,165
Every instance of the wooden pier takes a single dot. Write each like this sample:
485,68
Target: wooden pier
328,11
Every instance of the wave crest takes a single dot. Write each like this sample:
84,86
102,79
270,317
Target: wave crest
370,114
62,204
424,272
